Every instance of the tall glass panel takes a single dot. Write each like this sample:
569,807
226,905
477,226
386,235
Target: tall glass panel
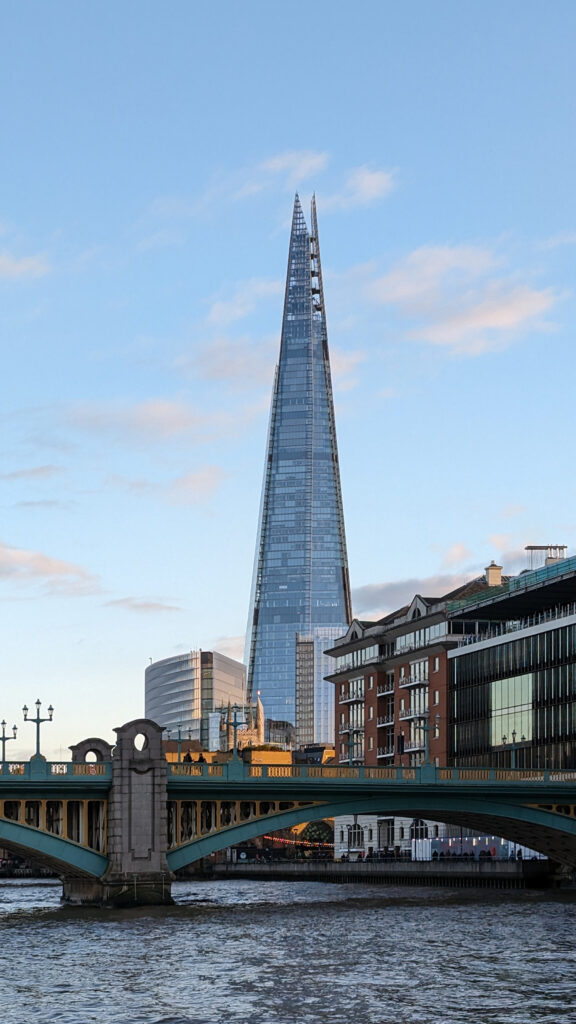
301,568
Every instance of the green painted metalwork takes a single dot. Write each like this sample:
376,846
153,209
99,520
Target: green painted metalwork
521,806
535,808
61,854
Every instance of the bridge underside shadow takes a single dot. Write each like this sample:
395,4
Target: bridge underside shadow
64,858
547,832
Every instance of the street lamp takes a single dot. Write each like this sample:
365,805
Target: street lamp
6,739
179,739
427,729
38,721
234,723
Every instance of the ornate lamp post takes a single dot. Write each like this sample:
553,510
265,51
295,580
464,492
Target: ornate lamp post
6,739
234,723
38,721
179,740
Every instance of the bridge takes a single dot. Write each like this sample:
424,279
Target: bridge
117,828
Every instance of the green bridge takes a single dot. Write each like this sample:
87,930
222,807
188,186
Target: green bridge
116,828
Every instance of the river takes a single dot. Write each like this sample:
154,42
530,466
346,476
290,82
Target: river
250,952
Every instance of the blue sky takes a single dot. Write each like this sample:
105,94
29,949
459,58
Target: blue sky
149,155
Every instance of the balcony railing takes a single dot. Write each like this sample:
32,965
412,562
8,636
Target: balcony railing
348,698
528,622
386,751
407,682
385,689
414,713
385,720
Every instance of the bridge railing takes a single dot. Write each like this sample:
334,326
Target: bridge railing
425,773
38,768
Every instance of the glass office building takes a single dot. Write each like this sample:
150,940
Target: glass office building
183,693
301,570
513,686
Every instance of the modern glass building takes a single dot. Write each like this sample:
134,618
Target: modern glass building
513,686
300,579
185,691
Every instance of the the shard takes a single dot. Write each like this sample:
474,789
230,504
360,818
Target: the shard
300,588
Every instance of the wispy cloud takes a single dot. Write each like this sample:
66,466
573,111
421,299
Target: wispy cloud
243,301
142,607
512,510
460,301
512,555
230,646
378,599
343,365
155,420
363,187
23,266
290,168
193,488
557,241
456,555
32,473
43,504
242,362
416,281
22,566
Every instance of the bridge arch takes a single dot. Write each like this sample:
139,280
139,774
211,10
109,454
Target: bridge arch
60,855
544,831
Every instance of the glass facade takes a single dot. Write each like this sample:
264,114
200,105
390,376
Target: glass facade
514,702
301,569
185,690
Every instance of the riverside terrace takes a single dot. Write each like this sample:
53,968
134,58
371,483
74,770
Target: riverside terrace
116,829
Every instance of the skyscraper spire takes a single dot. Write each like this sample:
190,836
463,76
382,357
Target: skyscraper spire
300,586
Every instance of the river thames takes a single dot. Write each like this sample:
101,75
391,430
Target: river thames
250,952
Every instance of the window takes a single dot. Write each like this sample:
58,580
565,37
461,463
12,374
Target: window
371,743
436,664
436,696
371,682
370,713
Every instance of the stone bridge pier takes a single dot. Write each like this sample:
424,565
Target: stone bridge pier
138,873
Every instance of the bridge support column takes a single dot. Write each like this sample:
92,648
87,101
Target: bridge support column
138,873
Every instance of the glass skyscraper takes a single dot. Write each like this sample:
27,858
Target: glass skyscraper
300,583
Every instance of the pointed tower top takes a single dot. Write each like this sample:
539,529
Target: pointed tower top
298,219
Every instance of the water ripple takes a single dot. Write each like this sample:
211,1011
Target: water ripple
246,952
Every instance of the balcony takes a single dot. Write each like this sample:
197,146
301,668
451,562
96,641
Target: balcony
347,698
413,713
343,729
409,682
385,690
385,751
385,720
414,746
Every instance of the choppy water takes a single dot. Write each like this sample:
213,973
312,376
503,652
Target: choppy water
249,952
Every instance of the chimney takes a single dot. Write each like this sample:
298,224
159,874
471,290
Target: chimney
493,574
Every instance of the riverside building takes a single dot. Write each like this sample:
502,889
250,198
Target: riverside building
300,585
512,692
483,676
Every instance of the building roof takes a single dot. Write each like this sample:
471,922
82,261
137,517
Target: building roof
521,595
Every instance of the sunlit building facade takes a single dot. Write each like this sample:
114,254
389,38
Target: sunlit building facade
300,581
188,691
